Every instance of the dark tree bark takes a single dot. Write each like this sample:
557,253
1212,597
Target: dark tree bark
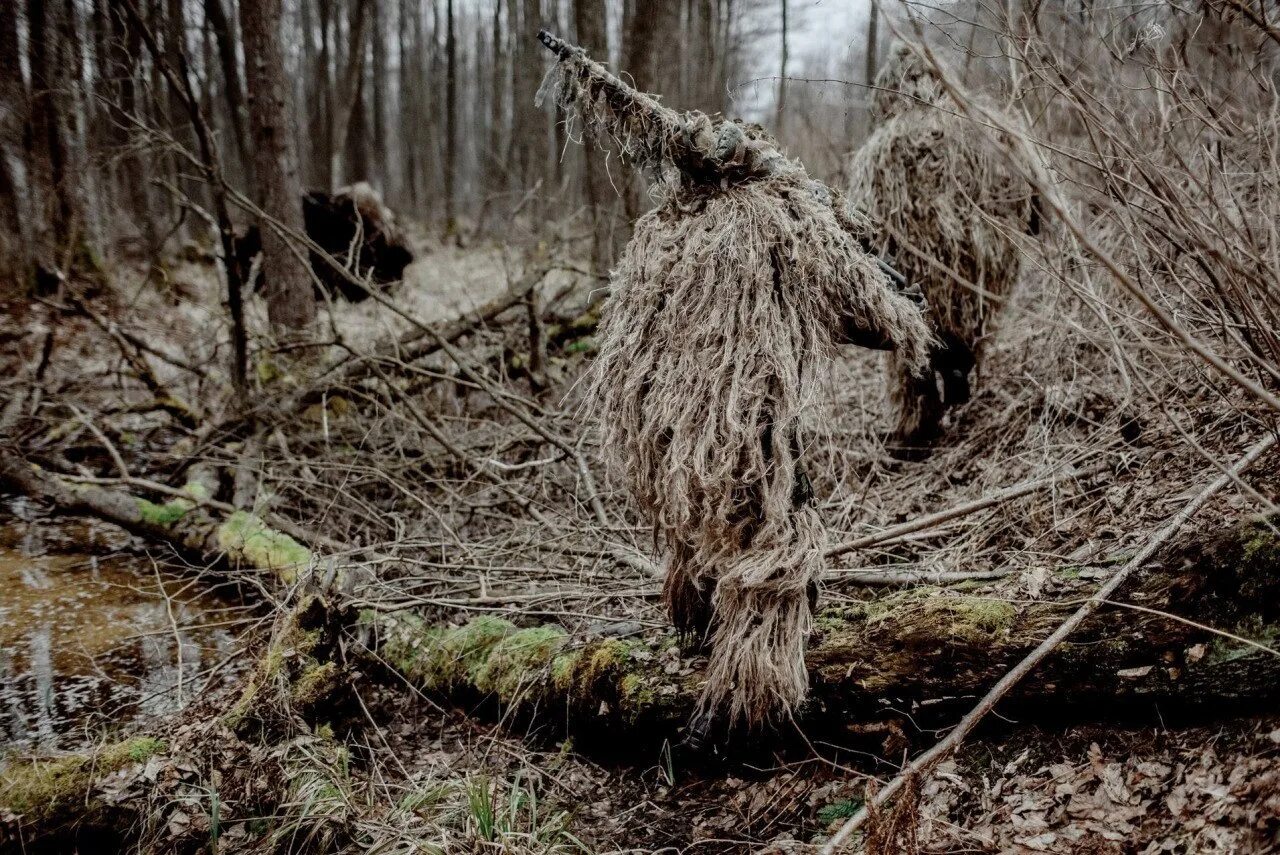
356,149
553,183
497,108
225,38
15,250
83,172
175,43
378,93
290,303
645,25
873,44
780,117
589,22
450,123
704,94
346,98
528,142
644,58
99,91
47,152
124,48
323,142
410,23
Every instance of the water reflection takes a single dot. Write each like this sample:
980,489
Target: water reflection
88,643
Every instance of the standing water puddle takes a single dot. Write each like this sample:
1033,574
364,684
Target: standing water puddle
90,643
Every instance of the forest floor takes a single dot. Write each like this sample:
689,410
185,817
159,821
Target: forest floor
480,508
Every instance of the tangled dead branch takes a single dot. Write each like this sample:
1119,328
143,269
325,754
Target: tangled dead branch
929,759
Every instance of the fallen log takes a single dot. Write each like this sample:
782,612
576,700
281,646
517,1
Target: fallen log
240,539
996,692
48,796
926,648
921,652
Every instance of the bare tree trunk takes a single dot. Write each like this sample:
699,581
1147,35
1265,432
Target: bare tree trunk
356,148
552,181
720,17
705,95
644,28
225,38
125,46
652,22
175,43
378,87
410,44
100,94
873,47
83,186
210,163
430,109
527,138
450,123
323,158
497,108
53,212
348,89
290,303
589,22
15,248
780,116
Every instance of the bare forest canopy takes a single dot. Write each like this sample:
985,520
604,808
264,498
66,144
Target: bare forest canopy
301,308
430,101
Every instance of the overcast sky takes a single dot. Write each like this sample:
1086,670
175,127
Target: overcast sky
827,24
818,28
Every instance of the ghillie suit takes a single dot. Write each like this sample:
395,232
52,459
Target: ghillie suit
726,307
353,226
938,189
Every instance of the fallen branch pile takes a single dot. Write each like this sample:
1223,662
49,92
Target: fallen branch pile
1239,555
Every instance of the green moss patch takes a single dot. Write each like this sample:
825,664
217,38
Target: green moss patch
247,538
163,515
39,790
316,683
518,659
929,613
290,669
519,666
442,658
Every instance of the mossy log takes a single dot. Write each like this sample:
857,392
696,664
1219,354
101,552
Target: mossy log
923,652
55,792
144,795
240,539
274,748
298,677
